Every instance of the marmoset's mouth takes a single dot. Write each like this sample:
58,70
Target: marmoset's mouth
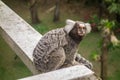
81,33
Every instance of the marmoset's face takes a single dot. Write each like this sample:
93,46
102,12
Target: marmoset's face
81,29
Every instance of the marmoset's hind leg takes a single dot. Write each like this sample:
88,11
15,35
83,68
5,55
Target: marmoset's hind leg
56,59
52,61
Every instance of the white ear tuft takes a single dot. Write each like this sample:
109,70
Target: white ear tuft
69,25
88,26
69,21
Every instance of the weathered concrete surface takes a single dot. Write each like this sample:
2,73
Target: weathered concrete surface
63,74
18,34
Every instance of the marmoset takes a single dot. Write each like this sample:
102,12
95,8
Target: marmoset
58,48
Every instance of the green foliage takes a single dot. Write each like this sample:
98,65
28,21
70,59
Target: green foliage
95,55
109,1
107,24
114,6
113,47
95,19
110,46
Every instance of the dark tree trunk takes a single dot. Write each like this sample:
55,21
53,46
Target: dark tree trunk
34,11
104,64
45,2
68,1
118,18
118,14
57,11
77,0
104,56
100,2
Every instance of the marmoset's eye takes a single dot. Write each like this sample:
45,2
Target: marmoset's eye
84,28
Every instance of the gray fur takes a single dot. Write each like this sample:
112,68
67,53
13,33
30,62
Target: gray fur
56,49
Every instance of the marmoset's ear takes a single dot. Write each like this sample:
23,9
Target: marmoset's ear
69,25
70,22
88,27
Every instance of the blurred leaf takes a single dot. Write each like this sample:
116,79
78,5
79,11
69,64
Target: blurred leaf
113,8
108,24
95,19
113,47
95,56
109,0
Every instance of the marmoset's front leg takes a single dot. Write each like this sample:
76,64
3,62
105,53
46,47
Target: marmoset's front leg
82,60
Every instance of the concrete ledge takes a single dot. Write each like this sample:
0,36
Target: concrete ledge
69,73
21,37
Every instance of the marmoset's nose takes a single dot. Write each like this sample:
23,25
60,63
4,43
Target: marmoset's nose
82,31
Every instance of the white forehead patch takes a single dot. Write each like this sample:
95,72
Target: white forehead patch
82,24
